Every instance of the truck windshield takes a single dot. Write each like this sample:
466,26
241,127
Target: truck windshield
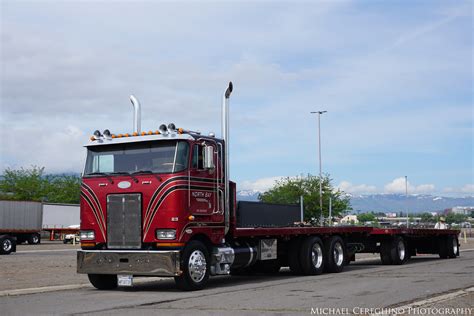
146,157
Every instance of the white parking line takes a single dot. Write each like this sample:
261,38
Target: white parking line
45,250
428,301
35,290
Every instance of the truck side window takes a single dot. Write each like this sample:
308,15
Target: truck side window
198,162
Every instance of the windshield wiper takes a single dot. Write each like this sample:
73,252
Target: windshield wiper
126,173
142,171
106,175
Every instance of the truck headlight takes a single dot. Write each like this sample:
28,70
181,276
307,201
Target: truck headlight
165,233
87,235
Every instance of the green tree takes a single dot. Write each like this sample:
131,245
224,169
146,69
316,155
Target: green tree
23,184
455,218
289,190
366,217
63,189
32,185
427,217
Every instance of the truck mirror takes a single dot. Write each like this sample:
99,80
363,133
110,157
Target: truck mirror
208,157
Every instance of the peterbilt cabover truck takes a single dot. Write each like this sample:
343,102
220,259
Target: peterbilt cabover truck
20,221
160,203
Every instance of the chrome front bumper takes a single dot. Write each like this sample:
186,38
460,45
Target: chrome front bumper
135,262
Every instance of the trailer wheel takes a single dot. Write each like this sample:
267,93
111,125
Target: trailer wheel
312,256
448,247
294,256
195,264
453,247
34,239
335,254
7,245
103,281
386,252
399,251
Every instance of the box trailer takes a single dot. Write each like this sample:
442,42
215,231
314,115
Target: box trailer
20,221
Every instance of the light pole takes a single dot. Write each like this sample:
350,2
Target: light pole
321,220
406,195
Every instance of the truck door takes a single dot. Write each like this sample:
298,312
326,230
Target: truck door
204,183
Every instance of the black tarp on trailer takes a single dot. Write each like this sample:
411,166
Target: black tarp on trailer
257,214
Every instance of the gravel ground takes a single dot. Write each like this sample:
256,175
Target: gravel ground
47,264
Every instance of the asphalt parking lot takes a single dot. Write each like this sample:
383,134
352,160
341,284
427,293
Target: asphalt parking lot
47,273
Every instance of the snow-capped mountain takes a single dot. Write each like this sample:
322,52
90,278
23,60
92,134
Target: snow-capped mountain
390,202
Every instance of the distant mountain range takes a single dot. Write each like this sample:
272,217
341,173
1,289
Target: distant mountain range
390,202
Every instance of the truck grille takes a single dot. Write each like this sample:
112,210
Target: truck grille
124,221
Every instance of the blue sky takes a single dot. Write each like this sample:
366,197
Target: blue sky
396,78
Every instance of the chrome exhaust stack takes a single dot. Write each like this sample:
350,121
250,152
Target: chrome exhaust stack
137,116
225,137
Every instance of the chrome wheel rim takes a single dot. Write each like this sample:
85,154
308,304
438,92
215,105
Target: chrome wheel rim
35,239
338,254
7,245
317,255
401,250
197,266
455,246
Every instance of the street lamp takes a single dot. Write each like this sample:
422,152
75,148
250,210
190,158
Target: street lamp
406,195
320,166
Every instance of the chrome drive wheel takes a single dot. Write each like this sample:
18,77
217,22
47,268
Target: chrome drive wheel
312,256
335,254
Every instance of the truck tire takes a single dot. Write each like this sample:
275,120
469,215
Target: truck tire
386,252
448,247
399,251
195,264
103,281
312,256
335,256
7,245
294,256
34,239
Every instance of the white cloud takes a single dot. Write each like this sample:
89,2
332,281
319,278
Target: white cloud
348,187
468,188
259,185
398,185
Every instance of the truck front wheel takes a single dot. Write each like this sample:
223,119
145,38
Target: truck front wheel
103,281
195,266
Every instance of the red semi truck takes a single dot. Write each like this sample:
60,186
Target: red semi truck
160,203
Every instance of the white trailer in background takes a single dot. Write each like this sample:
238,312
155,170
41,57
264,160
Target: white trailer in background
20,221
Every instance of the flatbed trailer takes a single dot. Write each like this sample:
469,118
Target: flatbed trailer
161,203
